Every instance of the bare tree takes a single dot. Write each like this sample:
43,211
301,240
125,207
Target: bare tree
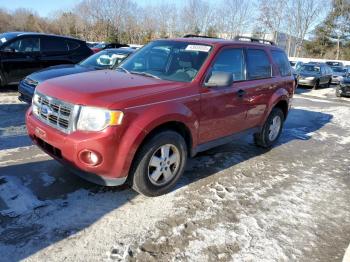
302,15
234,17
271,16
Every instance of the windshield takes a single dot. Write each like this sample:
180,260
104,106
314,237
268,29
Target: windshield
168,60
310,69
6,37
104,59
338,70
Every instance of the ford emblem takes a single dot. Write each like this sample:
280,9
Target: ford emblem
45,110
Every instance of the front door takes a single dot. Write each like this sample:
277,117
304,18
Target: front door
20,58
223,109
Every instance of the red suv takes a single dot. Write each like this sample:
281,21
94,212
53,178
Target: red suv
170,100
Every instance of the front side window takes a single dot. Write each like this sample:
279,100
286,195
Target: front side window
104,60
25,45
168,60
281,60
258,64
231,61
54,44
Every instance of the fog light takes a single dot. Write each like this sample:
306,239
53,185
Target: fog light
90,157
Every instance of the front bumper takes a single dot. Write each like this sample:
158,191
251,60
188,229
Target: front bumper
26,92
66,148
344,89
306,82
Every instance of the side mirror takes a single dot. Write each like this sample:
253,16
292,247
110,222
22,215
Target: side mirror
219,79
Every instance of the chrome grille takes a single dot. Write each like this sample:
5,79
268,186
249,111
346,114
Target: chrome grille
55,113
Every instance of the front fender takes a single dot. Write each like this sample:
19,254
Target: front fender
140,121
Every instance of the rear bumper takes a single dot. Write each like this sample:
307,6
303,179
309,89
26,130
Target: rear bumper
66,149
335,80
26,92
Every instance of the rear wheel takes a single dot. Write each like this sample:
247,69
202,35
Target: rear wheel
271,130
159,164
316,85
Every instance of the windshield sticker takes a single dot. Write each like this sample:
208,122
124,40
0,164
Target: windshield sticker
200,48
3,40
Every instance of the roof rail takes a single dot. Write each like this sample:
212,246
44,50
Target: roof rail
253,39
199,36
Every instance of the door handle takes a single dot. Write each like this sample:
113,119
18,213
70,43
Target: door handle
241,92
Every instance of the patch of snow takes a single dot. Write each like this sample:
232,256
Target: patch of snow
18,198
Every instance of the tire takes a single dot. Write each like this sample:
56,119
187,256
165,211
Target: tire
337,91
152,174
316,85
328,84
264,138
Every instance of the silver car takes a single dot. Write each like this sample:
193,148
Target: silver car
314,75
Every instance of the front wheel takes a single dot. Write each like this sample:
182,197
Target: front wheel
316,85
271,130
338,91
159,164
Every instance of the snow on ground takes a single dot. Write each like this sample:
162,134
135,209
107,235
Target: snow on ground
236,202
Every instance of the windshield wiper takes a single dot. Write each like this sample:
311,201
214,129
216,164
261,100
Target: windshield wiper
123,69
144,74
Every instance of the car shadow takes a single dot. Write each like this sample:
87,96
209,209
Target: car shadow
61,204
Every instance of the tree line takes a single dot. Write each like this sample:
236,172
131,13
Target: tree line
317,27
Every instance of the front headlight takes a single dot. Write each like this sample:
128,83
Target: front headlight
310,78
97,119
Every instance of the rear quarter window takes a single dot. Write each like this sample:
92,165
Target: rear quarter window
258,64
72,45
281,61
54,44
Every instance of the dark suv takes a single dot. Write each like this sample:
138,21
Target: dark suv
23,53
171,99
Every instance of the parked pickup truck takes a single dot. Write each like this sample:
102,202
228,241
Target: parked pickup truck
170,100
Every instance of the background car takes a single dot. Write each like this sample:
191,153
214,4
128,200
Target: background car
23,53
315,75
343,89
338,72
334,63
106,59
103,46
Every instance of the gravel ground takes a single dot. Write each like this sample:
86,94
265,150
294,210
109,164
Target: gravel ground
236,202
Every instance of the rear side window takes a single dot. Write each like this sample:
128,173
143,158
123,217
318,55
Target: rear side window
258,64
231,61
72,45
54,44
281,60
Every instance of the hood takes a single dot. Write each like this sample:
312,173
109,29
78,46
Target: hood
107,88
57,71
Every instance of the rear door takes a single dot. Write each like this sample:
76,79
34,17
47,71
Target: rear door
261,84
223,110
54,51
20,58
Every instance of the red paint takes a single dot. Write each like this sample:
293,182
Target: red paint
208,113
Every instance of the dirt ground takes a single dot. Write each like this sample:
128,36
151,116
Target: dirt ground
236,202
